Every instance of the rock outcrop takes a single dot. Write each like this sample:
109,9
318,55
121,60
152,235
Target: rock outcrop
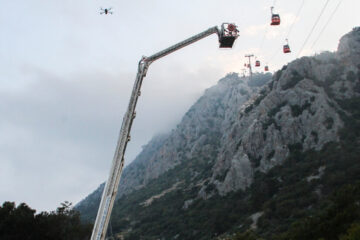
198,134
242,126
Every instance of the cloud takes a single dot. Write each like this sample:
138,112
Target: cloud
288,19
59,133
60,121
254,30
53,129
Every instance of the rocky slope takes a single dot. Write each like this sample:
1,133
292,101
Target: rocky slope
197,134
242,146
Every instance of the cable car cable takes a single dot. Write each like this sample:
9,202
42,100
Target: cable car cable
275,54
274,3
297,15
266,31
263,39
288,34
312,29
327,23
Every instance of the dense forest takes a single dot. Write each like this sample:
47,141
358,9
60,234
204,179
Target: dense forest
22,223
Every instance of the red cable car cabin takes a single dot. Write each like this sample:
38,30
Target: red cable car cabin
287,48
266,68
275,20
257,63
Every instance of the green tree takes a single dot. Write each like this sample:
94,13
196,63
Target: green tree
353,233
22,223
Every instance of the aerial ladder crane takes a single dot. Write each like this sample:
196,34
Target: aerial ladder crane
227,35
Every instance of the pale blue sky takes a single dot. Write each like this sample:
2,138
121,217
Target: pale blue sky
66,74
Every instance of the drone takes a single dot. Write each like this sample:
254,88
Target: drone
105,11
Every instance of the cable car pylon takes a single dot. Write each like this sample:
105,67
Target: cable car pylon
243,70
249,56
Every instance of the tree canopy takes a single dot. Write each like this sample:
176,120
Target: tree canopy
22,223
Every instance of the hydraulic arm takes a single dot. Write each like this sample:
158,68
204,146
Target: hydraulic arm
227,35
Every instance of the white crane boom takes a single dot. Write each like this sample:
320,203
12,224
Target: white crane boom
227,36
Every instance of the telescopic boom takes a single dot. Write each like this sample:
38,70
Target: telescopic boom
227,35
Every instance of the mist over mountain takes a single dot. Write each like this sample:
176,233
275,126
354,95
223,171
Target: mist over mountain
256,154
202,125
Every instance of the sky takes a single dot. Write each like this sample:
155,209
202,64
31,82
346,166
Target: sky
66,75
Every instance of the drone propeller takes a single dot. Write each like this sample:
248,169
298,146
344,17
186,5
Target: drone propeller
106,10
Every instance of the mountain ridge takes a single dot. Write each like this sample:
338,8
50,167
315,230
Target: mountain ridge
154,159
219,169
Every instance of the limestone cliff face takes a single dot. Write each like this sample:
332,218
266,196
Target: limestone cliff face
297,109
349,48
241,126
135,175
207,119
294,109
133,178
197,135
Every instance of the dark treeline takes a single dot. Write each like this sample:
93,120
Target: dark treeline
22,223
337,219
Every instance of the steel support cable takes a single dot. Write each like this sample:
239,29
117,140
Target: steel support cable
290,29
263,39
312,29
267,27
266,31
275,54
327,23
297,15
274,3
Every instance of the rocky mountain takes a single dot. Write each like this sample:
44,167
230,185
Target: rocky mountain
196,135
249,154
